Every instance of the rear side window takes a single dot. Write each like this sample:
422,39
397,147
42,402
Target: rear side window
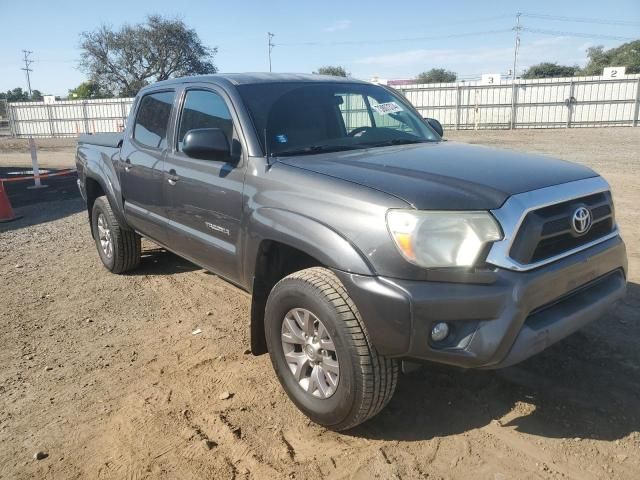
150,127
204,109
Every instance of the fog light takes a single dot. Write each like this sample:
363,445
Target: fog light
439,331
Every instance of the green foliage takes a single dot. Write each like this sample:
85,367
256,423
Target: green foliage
88,89
626,55
437,75
125,60
550,70
336,71
19,95
15,95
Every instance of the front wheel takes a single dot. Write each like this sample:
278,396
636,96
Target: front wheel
321,352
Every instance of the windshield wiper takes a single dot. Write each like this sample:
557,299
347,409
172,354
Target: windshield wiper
395,141
312,149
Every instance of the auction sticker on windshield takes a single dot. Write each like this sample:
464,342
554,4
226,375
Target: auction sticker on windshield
386,108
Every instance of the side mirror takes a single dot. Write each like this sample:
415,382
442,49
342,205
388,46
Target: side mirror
436,125
206,144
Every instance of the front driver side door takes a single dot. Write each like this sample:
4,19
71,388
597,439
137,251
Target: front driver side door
204,197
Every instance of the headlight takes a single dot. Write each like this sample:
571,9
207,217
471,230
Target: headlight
442,239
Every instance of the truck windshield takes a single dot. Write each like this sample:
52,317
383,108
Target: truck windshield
308,118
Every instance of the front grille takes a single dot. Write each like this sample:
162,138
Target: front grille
547,232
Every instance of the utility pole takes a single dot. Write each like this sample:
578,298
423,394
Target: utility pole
26,68
516,47
271,45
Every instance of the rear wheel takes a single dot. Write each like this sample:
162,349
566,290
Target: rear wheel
119,249
321,352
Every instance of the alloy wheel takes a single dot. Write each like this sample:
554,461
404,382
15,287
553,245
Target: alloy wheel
104,235
310,353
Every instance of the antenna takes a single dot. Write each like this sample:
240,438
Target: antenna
271,45
266,145
26,68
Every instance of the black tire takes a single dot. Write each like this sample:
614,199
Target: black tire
127,245
367,380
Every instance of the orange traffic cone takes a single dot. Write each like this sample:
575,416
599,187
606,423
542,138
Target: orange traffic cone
6,212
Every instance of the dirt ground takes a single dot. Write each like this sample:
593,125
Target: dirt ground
52,152
103,374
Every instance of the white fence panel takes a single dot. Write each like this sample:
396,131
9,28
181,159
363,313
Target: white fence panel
540,103
68,118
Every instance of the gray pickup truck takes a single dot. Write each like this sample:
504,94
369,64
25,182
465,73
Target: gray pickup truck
366,241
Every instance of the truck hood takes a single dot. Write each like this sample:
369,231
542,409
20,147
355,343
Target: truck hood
444,175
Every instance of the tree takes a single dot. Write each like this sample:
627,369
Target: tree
550,70
88,89
36,96
336,71
125,60
19,95
15,95
626,55
437,75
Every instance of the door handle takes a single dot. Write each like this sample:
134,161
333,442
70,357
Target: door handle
127,165
173,177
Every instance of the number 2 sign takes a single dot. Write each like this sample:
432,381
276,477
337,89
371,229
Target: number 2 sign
613,72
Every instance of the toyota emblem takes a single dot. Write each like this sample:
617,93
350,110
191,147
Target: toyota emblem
581,221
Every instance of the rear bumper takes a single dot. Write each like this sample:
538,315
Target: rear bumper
503,319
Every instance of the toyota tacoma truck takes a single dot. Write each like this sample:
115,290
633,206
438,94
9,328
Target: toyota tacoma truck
366,241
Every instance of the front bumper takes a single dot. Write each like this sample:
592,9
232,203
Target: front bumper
502,319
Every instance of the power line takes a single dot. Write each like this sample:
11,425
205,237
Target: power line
395,40
480,19
433,37
623,23
575,34
27,63
455,35
55,61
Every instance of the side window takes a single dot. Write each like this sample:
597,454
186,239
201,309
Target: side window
354,111
150,128
204,109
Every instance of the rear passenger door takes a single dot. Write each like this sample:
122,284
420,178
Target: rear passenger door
141,165
204,197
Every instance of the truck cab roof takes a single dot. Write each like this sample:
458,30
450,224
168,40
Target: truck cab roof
254,78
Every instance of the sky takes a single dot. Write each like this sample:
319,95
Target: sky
391,40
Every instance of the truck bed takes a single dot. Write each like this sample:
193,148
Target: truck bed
112,140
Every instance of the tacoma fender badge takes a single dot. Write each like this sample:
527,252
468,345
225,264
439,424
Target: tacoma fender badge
217,228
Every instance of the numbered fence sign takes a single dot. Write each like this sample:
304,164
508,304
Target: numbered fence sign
613,72
490,79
